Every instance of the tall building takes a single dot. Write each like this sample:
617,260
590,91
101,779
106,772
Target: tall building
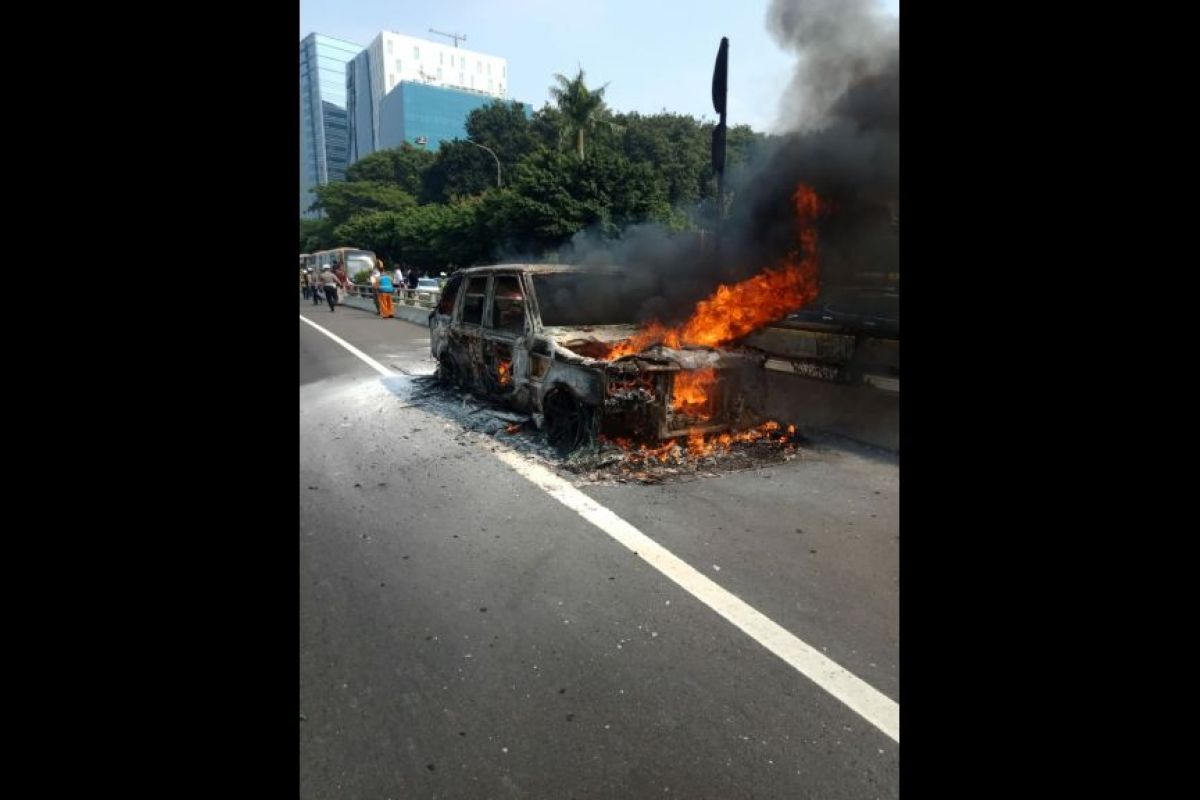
324,128
426,115
393,59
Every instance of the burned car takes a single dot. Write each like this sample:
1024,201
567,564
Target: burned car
555,341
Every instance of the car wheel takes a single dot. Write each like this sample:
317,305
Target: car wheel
568,421
446,373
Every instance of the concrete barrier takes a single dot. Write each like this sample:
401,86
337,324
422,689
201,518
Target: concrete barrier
861,412
413,314
418,315
833,382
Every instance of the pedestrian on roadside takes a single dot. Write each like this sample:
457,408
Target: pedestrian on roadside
374,280
304,289
343,281
329,283
384,292
314,283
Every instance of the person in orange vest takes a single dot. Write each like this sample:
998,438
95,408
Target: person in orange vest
383,291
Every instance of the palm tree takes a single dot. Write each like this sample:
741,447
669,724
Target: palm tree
581,107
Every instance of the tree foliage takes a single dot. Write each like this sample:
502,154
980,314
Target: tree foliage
581,107
460,170
403,166
339,201
506,129
571,166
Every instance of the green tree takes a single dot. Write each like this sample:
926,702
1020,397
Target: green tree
374,230
743,146
403,166
315,234
342,200
505,128
539,209
581,107
461,169
553,196
675,145
547,127
462,237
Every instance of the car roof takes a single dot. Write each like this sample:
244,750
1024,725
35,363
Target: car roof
535,269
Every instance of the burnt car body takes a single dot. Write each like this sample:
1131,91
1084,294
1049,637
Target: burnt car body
540,337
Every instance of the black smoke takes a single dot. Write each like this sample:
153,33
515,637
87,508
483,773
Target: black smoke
842,118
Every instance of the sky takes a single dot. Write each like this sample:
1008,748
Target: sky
655,55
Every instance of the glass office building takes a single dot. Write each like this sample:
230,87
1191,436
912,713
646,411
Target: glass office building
401,88
426,115
324,127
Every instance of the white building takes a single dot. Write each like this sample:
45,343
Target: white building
393,58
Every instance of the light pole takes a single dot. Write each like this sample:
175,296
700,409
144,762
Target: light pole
481,147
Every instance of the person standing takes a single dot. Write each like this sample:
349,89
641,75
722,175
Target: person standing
329,283
314,285
343,281
384,294
376,271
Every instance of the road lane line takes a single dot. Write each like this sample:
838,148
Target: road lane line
862,698
375,365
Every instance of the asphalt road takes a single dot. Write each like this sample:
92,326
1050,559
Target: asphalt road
465,634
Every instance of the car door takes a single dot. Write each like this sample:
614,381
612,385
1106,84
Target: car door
442,317
504,338
465,338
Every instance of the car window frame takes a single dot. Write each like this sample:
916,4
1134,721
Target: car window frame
488,323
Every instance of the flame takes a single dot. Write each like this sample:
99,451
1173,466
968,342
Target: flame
691,391
731,312
504,372
736,310
698,445
641,453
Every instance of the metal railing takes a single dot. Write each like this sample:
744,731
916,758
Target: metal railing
420,298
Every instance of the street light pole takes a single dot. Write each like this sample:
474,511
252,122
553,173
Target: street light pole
481,147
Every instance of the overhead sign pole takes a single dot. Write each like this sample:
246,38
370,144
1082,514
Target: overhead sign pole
720,90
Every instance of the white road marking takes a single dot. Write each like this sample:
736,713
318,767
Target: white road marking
375,365
866,701
862,698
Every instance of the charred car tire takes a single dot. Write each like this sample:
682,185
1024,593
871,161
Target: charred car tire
569,422
446,373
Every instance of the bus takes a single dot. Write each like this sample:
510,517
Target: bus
354,259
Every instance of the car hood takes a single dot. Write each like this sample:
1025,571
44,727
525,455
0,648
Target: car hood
590,344
582,334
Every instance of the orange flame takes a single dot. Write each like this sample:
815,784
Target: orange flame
691,391
699,444
736,310
504,372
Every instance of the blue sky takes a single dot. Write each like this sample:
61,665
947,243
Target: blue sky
653,54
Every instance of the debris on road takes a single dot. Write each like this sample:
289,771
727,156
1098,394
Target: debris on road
684,458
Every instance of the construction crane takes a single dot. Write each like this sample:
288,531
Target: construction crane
454,36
